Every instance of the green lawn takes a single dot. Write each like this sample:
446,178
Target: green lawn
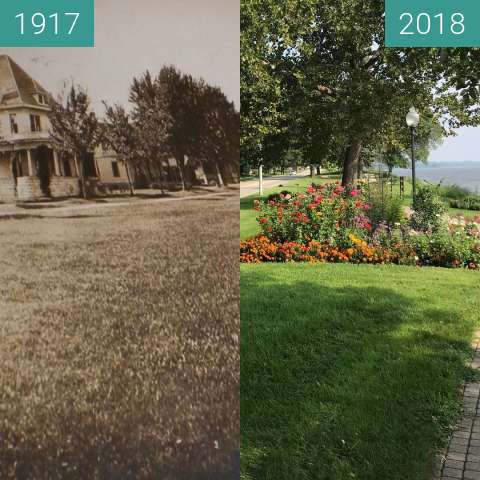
351,372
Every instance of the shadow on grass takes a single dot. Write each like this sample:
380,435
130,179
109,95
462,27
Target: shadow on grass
345,382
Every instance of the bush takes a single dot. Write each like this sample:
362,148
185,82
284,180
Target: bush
429,211
444,250
326,213
385,208
467,203
454,192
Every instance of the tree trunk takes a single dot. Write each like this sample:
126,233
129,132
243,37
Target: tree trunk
219,176
81,174
360,169
319,170
312,171
350,164
180,159
132,193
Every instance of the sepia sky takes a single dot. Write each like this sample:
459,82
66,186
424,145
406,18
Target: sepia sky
201,37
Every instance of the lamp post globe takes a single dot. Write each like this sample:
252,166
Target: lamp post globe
413,119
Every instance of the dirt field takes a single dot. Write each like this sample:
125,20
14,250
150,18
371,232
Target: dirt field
119,343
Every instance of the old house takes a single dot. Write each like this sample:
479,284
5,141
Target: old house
30,168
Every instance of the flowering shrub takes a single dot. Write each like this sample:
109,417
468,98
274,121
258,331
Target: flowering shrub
428,211
326,213
329,223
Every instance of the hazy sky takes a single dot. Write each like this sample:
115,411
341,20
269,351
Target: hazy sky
464,147
201,37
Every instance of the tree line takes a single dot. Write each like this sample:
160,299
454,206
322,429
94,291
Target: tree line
317,80
173,116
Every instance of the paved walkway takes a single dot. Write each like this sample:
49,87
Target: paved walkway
462,459
250,187
73,206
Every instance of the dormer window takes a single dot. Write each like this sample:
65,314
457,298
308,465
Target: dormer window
13,123
42,99
35,124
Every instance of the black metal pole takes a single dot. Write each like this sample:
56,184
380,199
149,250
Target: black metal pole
414,189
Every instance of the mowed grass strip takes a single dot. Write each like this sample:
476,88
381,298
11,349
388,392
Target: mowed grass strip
119,343
351,371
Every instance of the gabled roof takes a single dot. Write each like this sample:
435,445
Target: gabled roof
17,87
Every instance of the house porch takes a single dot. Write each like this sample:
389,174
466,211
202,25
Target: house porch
31,173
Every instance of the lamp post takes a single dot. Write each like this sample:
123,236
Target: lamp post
413,119
260,180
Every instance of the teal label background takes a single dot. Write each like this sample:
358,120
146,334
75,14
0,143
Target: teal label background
393,26
82,35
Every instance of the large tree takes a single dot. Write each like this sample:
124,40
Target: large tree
120,135
327,63
75,129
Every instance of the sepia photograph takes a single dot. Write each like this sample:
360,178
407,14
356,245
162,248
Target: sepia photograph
119,227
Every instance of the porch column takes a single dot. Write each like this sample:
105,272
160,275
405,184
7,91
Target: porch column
30,163
56,165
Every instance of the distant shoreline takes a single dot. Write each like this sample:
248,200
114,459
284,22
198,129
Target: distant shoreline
463,174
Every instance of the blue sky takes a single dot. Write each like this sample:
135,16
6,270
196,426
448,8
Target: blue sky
464,147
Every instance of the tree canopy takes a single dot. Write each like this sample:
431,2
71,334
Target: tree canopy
315,75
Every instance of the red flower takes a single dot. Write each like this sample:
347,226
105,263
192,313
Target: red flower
263,220
310,189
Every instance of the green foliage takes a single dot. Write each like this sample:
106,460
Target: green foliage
385,206
429,210
467,203
454,192
442,249
315,75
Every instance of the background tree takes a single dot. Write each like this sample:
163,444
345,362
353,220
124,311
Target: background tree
75,129
151,123
120,136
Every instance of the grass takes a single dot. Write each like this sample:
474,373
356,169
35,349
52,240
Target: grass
120,343
351,372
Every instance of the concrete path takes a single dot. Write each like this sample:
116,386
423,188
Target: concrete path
250,187
462,458
67,208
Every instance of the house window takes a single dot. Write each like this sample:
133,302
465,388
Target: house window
42,99
13,123
35,124
115,169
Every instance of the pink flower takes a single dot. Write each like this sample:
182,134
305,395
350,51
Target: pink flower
366,206
288,196
354,193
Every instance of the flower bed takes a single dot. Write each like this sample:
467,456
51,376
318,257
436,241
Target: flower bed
261,249
330,223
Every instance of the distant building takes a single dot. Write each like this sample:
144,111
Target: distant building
30,167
